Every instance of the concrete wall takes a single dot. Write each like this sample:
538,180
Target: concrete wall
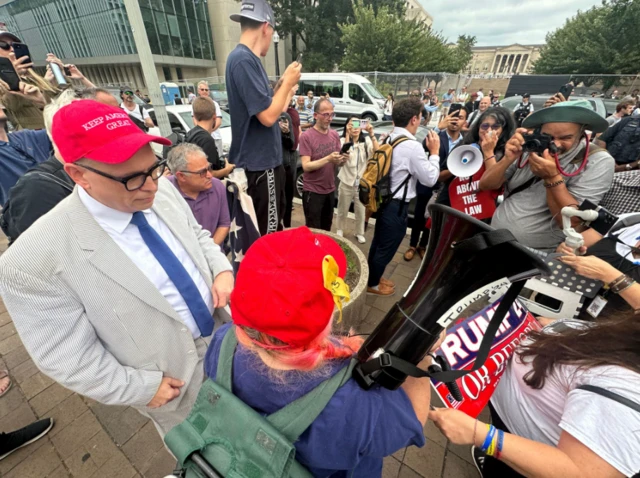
498,85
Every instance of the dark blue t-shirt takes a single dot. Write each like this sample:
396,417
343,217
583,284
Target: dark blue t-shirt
254,146
24,150
351,435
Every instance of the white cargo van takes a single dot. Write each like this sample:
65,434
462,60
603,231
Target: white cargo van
351,94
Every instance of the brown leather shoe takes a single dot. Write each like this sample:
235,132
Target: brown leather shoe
382,290
421,252
388,283
409,254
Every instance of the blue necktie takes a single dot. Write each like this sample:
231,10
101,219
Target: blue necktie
176,272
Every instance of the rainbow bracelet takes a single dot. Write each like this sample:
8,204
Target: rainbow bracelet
489,439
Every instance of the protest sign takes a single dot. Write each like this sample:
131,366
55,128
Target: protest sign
460,349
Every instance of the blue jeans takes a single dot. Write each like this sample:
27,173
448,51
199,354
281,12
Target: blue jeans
391,226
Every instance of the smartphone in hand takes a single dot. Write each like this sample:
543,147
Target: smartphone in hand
345,148
8,74
20,50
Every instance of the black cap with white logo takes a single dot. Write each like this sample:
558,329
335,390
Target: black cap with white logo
257,10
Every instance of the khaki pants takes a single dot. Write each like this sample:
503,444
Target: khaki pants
346,194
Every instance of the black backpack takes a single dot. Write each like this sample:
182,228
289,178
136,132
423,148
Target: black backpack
625,145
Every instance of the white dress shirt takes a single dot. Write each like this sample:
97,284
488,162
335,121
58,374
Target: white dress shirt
410,158
127,236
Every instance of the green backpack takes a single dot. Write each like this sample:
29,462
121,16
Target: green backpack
225,437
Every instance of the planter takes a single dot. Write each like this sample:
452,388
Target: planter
352,311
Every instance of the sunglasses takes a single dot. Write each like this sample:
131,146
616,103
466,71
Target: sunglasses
128,93
5,46
494,127
202,172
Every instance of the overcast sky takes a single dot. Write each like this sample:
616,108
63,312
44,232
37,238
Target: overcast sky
502,22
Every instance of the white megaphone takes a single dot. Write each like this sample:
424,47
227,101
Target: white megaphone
465,161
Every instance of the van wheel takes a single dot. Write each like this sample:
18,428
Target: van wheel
370,117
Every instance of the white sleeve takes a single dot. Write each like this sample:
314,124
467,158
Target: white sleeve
218,112
426,170
531,110
605,426
145,114
516,107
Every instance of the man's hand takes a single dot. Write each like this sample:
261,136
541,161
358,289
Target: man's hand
336,158
291,75
513,148
221,290
543,166
566,250
557,98
433,143
447,120
21,65
284,127
168,390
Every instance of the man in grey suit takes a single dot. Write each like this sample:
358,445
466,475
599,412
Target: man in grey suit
113,292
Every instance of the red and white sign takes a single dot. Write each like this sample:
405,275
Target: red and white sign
460,349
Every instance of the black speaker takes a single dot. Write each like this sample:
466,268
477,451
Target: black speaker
464,258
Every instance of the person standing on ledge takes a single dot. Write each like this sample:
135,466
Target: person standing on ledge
256,144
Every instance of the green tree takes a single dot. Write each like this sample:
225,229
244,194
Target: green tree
602,40
314,27
381,40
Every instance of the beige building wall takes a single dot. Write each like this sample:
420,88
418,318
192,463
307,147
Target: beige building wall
415,11
503,60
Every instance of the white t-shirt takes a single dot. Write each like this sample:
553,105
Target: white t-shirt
192,97
216,133
480,96
608,428
136,112
629,235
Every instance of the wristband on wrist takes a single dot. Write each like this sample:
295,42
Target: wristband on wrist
500,443
615,282
490,157
489,438
621,285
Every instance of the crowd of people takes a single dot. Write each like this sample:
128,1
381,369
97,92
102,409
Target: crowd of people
118,281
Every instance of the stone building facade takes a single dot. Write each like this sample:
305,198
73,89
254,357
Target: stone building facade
503,60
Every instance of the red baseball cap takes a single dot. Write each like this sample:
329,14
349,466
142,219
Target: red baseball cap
280,289
103,133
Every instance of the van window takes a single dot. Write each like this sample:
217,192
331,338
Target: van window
357,94
335,88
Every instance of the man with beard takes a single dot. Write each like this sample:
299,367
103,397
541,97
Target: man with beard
538,186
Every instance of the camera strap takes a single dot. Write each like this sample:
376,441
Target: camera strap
391,362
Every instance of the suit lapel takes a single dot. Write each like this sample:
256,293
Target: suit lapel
107,257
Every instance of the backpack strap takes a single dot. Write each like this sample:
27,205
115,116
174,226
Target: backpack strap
225,359
296,417
611,395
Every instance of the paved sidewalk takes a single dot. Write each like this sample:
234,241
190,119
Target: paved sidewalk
94,440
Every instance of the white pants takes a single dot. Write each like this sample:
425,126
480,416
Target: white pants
346,194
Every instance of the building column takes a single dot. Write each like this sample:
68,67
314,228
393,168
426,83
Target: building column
495,57
225,33
526,66
516,63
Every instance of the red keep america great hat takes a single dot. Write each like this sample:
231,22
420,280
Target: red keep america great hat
103,133
280,288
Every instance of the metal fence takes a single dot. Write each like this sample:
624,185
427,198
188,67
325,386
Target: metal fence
405,84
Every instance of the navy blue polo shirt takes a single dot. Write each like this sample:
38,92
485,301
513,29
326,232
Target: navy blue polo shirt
352,434
24,150
254,147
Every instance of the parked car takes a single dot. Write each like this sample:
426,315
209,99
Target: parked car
538,102
351,94
181,121
221,98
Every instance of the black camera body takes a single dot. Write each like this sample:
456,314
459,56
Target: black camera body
537,142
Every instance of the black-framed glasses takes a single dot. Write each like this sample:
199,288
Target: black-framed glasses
327,115
494,126
202,172
5,45
134,181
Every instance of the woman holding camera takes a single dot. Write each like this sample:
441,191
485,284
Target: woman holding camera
545,424
363,145
286,348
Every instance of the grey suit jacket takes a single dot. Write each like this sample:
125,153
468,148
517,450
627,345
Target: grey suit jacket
91,320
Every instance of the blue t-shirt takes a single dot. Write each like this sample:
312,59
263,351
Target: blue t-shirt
254,146
24,150
351,435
